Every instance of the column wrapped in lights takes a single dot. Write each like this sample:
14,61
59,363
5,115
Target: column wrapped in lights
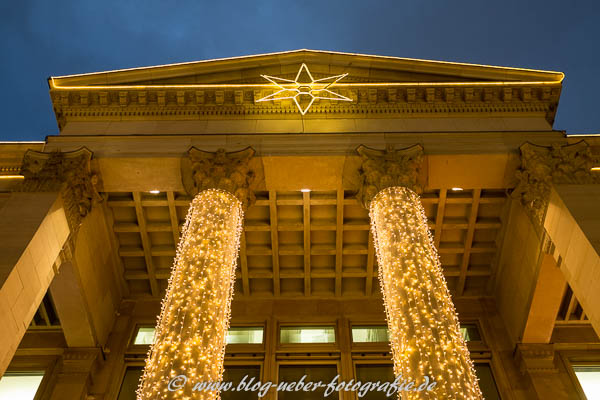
190,338
424,330
423,326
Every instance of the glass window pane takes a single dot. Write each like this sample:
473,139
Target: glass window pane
375,373
21,386
589,379
307,334
245,335
470,332
145,335
487,384
314,373
370,334
130,383
235,374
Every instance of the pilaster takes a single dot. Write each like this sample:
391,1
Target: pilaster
75,375
542,364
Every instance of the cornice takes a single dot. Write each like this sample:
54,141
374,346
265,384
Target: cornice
435,98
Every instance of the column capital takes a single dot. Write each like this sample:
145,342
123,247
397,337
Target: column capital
381,169
542,166
68,173
229,171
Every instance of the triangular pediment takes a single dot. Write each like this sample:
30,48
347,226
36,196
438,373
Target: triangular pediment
360,69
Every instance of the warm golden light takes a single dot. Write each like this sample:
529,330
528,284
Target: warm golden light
457,189
192,327
12,177
595,169
154,191
423,326
302,87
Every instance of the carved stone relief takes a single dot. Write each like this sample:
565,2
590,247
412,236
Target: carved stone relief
381,169
543,166
231,171
66,172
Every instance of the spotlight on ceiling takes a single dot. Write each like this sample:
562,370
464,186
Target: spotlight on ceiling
457,189
305,190
154,191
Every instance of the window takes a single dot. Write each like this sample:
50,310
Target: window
235,374
385,373
370,334
232,373
145,335
470,332
589,379
375,373
245,335
487,383
313,373
21,386
240,335
130,383
379,333
307,334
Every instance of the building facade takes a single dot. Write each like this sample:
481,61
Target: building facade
90,220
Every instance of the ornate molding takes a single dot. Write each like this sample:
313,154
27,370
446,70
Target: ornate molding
69,174
231,171
537,358
381,169
184,102
543,166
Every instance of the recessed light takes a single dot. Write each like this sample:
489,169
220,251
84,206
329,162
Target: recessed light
305,190
154,191
457,189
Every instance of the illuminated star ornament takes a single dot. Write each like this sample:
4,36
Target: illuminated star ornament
304,89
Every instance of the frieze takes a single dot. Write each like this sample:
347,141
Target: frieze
401,100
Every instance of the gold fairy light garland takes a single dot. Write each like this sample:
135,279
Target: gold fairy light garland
191,330
424,329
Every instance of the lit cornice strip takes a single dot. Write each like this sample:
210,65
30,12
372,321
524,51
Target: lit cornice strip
267,86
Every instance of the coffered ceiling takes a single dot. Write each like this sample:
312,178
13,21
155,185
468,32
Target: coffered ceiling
311,244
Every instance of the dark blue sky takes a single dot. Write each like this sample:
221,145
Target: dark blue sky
40,38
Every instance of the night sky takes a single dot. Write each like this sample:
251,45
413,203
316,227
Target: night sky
41,38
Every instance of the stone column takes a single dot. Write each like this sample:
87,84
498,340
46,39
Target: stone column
190,337
427,346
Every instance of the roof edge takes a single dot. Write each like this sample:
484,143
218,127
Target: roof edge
467,70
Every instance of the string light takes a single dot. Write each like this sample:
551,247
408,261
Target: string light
295,89
192,327
424,329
